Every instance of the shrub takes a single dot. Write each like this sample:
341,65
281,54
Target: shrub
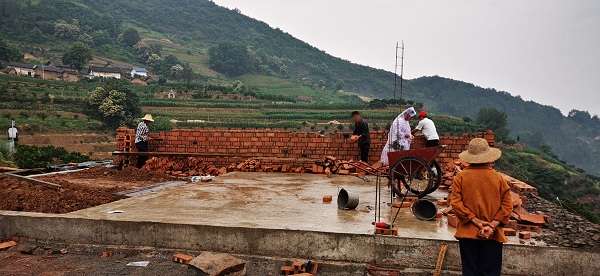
28,157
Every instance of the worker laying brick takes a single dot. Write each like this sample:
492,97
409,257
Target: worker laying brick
361,135
141,139
482,202
427,127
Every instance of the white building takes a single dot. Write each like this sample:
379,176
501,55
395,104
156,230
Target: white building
140,72
104,72
22,69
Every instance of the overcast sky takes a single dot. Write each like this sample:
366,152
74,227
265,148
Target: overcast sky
547,51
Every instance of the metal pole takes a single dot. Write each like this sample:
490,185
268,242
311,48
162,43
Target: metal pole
395,71
401,68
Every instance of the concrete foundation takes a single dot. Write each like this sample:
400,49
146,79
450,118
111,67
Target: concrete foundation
283,216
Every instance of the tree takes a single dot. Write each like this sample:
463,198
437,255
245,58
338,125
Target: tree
339,84
114,104
85,39
187,74
9,52
321,84
64,30
230,58
78,55
130,37
495,120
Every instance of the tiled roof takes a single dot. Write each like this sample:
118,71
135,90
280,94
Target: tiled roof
105,69
19,65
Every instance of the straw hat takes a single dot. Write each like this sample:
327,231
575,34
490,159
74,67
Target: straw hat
479,152
148,117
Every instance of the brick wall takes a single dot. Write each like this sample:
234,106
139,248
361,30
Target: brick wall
227,146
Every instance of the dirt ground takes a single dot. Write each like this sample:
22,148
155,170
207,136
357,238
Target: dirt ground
31,258
19,195
80,190
102,177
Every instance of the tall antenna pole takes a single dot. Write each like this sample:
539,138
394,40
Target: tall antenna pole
401,68
395,70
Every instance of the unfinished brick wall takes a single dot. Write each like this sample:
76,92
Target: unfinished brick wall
227,146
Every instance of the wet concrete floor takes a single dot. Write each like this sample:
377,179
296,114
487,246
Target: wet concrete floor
272,201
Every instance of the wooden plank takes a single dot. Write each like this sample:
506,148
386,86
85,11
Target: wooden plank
34,181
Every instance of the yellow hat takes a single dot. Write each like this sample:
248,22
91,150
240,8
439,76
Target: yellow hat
148,117
480,152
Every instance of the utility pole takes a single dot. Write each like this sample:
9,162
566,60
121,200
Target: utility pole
401,69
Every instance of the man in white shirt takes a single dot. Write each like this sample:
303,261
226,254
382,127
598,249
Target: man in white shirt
13,134
427,127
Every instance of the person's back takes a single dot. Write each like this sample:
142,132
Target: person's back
481,189
482,202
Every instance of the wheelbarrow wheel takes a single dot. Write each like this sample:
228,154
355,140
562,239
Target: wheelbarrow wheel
437,179
414,174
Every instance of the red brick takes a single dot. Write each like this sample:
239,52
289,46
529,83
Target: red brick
524,235
509,232
287,270
386,231
452,220
442,202
106,254
182,258
7,245
399,204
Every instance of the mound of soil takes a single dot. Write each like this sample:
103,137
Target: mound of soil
102,177
19,195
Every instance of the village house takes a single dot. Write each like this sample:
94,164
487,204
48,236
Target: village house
61,66
124,68
21,69
48,72
104,72
139,72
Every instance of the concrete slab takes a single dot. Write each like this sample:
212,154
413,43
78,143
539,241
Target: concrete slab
271,201
274,214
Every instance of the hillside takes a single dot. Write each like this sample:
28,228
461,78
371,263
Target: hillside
284,68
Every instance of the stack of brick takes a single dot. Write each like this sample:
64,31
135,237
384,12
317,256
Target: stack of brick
451,170
279,144
183,167
521,220
519,186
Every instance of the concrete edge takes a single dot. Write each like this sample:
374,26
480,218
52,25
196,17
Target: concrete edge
401,253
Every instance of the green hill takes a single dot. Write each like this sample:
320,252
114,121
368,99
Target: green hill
279,65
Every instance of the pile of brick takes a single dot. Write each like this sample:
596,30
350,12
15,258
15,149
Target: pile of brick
193,166
329,166
519,186
183,167
521,221
298,268
452,169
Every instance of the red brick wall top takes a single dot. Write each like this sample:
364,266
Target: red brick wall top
281,143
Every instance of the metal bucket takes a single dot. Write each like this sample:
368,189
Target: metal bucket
424,209
347,200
